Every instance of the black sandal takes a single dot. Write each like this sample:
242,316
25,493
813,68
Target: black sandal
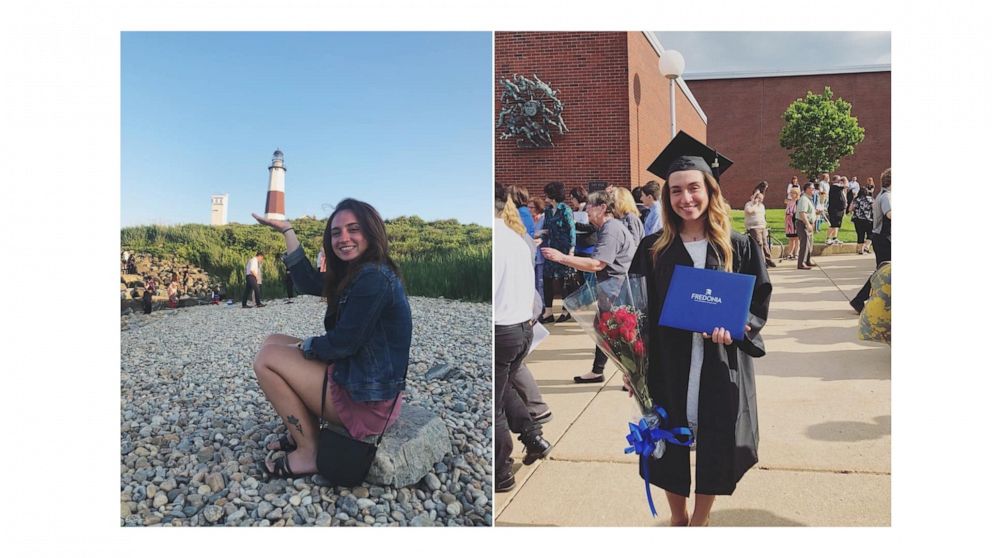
281,469
286,444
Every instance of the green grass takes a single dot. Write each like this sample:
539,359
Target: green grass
464,275
437,259
776,225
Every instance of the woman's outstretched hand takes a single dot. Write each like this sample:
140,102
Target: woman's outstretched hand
552,255
721,335
276,224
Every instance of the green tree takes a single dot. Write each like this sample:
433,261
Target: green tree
818,132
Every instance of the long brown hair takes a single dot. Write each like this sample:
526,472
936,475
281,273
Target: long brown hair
340,273
717,223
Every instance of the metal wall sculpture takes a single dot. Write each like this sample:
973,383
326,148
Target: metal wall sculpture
529,111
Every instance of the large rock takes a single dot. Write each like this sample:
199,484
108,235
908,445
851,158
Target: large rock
410,448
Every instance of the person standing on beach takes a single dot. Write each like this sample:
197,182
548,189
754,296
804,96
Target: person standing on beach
146,299
288,281
172,291
253,280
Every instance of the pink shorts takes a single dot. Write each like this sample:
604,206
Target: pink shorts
362,418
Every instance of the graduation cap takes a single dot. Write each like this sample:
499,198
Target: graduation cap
685,152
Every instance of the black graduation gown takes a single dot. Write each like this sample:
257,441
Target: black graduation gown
727,441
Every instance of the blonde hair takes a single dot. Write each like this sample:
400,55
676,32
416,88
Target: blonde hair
511,217
624,203
717,223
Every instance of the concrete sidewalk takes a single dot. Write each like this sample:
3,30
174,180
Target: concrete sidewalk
823,409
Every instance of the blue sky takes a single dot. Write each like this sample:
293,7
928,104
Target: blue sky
400,120
770,51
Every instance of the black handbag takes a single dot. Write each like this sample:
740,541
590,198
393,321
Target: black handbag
341,459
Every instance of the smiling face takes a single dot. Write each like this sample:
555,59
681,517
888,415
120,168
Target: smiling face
688,194
347,238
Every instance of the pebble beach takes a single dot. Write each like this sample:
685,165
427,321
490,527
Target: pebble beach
194,423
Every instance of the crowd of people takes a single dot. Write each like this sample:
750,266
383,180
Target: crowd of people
828,200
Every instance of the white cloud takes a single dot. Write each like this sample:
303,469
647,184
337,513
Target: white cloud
777,51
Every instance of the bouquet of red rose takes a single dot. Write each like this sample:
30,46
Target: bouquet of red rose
614,314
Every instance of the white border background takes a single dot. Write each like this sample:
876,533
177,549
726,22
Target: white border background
60,139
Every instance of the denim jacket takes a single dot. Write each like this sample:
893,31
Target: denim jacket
368,339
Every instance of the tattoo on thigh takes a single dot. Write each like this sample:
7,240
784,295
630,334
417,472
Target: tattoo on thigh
295,422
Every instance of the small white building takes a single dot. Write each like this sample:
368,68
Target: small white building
218,209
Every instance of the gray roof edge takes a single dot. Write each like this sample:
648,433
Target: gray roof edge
872,68
656,44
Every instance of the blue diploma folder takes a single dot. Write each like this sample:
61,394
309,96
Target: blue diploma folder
700,300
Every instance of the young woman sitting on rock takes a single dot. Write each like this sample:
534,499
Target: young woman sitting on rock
364,352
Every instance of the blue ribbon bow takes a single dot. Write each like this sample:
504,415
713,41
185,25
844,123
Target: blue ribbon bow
644,438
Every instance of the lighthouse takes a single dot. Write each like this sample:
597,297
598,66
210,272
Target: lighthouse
275,202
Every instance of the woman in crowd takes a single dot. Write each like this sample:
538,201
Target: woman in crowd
356,370
558,233
585,233
609,260
520,199
792,250
626,210
703,380
754,221
805,217
536,207
861,216
585,240
836,207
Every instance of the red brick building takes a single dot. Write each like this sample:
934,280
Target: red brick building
616,107
745,118
617,112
